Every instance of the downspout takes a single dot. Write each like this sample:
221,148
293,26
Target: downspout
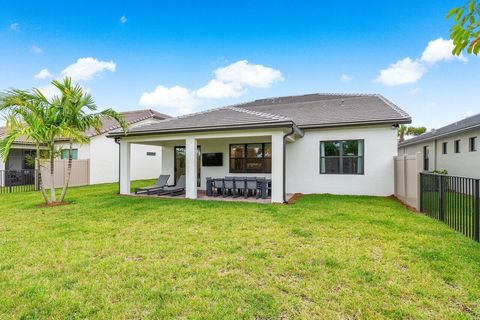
117,141
285,136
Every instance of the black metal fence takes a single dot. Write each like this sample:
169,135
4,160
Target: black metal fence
17,181
453,200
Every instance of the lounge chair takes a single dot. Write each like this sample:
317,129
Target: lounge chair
160,184
175,190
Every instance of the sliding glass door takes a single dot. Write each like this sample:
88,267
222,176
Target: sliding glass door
180,164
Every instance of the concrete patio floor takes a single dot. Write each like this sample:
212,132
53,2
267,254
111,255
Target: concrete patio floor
201,195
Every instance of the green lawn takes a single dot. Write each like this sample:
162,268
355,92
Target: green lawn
107,256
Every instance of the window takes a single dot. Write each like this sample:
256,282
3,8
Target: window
426,160
251,158
64,154
29,159
341,157
457,146
151,154
472,145
444,148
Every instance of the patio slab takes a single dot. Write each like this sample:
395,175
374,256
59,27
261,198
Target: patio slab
201,195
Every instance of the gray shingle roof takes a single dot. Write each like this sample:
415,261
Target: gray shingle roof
131,117
304,111
322,109
453,128
213,118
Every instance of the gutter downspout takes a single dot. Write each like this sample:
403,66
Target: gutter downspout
285,136
117,141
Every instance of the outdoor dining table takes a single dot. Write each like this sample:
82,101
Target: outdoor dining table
263,183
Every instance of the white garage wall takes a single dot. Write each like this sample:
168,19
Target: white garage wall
303,162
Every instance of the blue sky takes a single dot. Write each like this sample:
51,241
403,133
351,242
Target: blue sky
180,56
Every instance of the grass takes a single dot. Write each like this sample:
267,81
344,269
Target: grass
106,256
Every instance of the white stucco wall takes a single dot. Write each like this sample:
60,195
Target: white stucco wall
465,163
104,161
223,146
103,155
303,162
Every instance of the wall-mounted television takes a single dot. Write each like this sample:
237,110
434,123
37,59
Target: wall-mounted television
212,159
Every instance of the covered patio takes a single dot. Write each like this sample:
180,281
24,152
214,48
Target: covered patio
205,156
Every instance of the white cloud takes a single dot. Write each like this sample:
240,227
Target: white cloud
36,49
410,71
123,19
15,27
217,89
345,78
244,73
86,68
231,81
438,50
402,72
49,91
414,91
175,97
43,74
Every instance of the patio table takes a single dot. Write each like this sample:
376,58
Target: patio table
262,183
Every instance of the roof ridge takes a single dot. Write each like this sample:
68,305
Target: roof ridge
346,95
260,114
392,105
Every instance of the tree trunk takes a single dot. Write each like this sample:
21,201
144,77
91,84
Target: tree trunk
69,172
53,197
39,176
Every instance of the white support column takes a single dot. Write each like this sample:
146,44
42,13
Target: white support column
191,168
277,167
124,167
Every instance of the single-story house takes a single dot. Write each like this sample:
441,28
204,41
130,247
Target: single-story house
101,152
314,143
453,148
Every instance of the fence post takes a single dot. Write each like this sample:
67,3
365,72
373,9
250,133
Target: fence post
420,198
442,198
476,212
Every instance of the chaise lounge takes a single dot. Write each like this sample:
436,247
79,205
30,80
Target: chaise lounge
160,184
177,189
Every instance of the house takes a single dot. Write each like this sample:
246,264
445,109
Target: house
452,148
315,143
101,152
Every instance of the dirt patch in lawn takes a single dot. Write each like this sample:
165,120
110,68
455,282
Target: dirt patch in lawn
295,198
54,204
409,207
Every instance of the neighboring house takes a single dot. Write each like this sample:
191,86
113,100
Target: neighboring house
315,143
454,148
101,151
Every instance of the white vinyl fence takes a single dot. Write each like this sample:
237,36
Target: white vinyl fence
407,179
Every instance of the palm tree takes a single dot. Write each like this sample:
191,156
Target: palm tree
30,116
404,130
77,111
